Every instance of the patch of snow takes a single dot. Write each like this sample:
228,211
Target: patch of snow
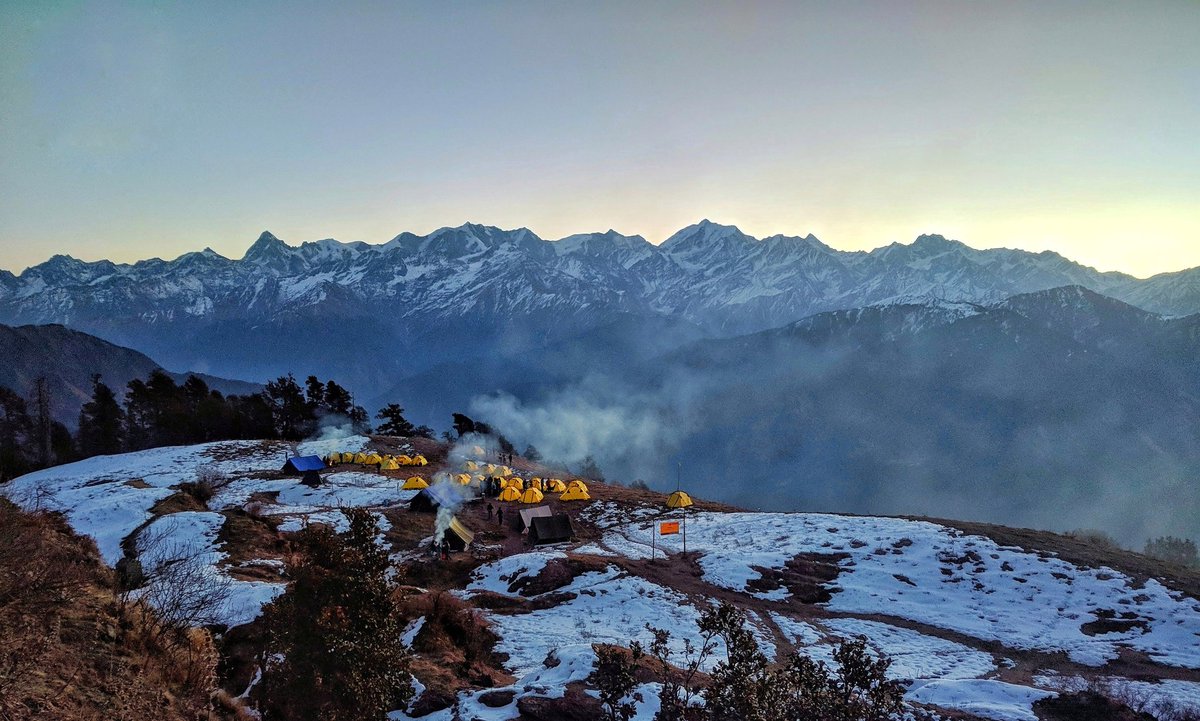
915,655
499,575
982,697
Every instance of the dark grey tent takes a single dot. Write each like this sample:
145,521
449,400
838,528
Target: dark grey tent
300,464
550,529
526,516
423,502
429,499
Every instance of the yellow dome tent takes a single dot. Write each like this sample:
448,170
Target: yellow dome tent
404,460
516,483
420,461
360,458
334,459
535,483
490,469
389,464
533,495
476,479
555,485
510,494
575,493
577,484
477,451
415,483
504,471
374,459
470,466
463,478
679,499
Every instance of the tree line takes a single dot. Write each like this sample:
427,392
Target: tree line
159,411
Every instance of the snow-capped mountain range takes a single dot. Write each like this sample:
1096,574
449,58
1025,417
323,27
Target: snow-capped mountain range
709,274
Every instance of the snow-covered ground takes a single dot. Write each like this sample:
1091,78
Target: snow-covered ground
191,537
982,697
938,576
110,497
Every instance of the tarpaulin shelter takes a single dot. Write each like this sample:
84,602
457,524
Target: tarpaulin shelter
299,464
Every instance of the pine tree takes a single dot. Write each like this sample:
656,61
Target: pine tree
292,416
337,399
394,422
40,420
14,435
101,422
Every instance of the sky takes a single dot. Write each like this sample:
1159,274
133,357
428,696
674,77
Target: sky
135,130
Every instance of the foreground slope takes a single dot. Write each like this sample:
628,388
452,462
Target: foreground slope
977,628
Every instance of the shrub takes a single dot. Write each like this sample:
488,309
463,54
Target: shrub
1095,537
747,687
615,680
333,648
1181,551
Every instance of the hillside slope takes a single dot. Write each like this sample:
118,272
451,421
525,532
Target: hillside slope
976,628
68,359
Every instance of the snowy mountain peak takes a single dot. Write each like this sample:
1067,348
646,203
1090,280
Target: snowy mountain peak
267,246
708,235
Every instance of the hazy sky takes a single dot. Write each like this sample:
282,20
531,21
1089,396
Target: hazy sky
150,129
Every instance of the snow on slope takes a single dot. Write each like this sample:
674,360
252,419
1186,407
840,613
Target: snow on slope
193,535
110,497
943,578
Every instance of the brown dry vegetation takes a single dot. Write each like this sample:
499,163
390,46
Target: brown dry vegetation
71,650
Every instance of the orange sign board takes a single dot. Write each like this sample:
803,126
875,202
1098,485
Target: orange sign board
668,528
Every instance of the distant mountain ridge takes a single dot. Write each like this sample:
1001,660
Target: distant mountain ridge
68,359
375,313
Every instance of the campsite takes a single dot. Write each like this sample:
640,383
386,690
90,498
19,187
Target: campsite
532,546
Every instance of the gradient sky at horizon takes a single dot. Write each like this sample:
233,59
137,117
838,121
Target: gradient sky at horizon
134,130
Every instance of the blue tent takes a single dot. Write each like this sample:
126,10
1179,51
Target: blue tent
301,464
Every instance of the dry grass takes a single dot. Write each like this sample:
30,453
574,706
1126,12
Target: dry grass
73,651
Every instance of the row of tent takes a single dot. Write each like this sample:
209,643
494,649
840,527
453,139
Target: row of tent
386,462
488,469
576,491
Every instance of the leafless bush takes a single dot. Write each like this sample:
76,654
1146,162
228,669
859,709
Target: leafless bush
180,585
208,481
